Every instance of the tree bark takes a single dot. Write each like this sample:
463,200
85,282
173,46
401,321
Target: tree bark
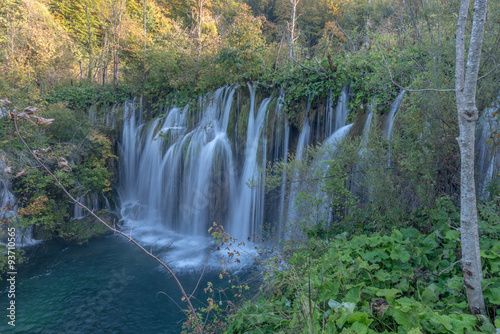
292,26
145,40
198,28
465,91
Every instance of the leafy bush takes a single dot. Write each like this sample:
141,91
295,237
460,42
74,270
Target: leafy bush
403,282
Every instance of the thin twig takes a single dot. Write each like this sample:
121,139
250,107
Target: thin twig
163,292
346,35
317,61
408,89
447,269
489,72
165,249
305,67
203,272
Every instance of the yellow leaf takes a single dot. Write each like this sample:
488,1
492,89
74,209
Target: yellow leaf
63,164
43,121
22,172
30,110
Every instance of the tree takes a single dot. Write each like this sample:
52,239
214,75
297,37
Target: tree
466,76
291,25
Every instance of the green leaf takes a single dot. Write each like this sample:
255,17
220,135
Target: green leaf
400,253
382,275
453,235
389,294
349,307
493,295
359,327
462,322
353,295
417,330
361,317
404,318
428,295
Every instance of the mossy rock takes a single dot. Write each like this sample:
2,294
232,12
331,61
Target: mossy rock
81,230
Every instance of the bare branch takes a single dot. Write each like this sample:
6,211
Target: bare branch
305,67
317,61
489,72
203,272
408,89
447,269
346,35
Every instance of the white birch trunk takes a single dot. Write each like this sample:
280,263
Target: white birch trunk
292,26
200,13
465,86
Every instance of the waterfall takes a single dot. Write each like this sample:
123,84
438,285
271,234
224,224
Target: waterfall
341,111
282,154
487,155
8,214
366,131
190,167
389,121
334,116
90,201
8,203
184,178
248,209
335,131
108,117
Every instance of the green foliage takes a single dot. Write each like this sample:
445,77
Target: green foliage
82,97
42,203
302,85
80,231
401,282
68,124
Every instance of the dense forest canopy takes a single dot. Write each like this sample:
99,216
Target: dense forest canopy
198,45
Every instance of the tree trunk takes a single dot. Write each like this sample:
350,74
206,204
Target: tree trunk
198,28
292,26
145,42
465,90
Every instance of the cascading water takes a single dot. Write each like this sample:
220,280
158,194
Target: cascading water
183,179
335,131
248,209
8,213
341,111
90,201
366,131
302,144
184,171
391,116
282,130
8,203
107,118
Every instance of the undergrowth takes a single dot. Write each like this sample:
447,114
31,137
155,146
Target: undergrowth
403,281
